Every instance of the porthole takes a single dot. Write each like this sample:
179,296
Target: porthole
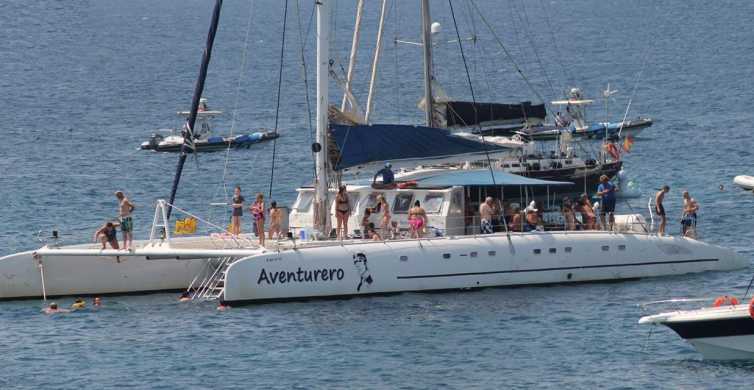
473,254
491,253
621,247
568,249
446,255
605,248
404,258
537,251
553,250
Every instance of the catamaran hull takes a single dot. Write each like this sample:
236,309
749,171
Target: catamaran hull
21,276
467,263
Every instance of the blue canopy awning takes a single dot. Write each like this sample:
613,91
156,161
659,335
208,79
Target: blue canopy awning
468,177
362,144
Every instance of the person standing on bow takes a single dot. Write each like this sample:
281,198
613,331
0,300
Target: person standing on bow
384,207
237,206
688,221
660,209
257,215
606,192
125,208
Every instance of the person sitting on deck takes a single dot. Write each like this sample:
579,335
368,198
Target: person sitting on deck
516,218
107,234
388,178
372,232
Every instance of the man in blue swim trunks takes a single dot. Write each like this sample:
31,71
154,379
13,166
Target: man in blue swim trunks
387,175
125,208
606,192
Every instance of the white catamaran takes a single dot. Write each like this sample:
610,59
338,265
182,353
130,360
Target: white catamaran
233,269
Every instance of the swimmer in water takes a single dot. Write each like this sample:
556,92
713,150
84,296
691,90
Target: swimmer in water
78,304
54,309
222,306
185,297
97,302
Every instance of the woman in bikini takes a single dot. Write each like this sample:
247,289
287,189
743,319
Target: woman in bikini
342,211
237,206
587,213
417,219
385,221
257,214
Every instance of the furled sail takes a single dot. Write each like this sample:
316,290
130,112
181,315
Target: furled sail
456,114
363,144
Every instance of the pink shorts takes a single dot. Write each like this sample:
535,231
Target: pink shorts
416,223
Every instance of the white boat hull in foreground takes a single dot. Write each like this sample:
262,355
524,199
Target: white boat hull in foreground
468,262
718,333
88,270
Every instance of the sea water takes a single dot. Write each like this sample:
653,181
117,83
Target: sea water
83,83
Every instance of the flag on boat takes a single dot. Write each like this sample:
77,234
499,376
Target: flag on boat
185,226
628,142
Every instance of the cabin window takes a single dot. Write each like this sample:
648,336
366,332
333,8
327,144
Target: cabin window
621,247
491,253
553,250
456,202
605,248
473,254
446,255
568,249
433,203
404,258
537,251
402,202
304,201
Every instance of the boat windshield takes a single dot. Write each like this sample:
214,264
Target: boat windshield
433,203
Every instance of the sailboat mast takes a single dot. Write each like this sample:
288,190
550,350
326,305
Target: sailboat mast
188,132
375,62
427,41
352,58
321,213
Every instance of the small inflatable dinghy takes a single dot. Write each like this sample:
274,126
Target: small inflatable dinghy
744,181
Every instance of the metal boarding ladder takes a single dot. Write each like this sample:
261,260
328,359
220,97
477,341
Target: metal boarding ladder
213,284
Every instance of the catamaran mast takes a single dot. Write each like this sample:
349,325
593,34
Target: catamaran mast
427,41
188,132
321,213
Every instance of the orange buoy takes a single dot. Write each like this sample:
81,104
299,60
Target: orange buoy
726,300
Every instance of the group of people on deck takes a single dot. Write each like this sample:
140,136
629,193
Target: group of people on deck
257,210
385,227
108,234
688,216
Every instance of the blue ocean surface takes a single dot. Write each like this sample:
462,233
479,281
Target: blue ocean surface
83,83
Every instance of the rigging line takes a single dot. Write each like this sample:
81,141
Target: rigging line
305,76
633,93
471,89
507,53
277,106
529,38
241,78
566,74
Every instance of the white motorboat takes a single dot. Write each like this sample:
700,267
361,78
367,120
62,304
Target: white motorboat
744,181
724,331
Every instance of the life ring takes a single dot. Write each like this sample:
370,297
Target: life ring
751,308
728,301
